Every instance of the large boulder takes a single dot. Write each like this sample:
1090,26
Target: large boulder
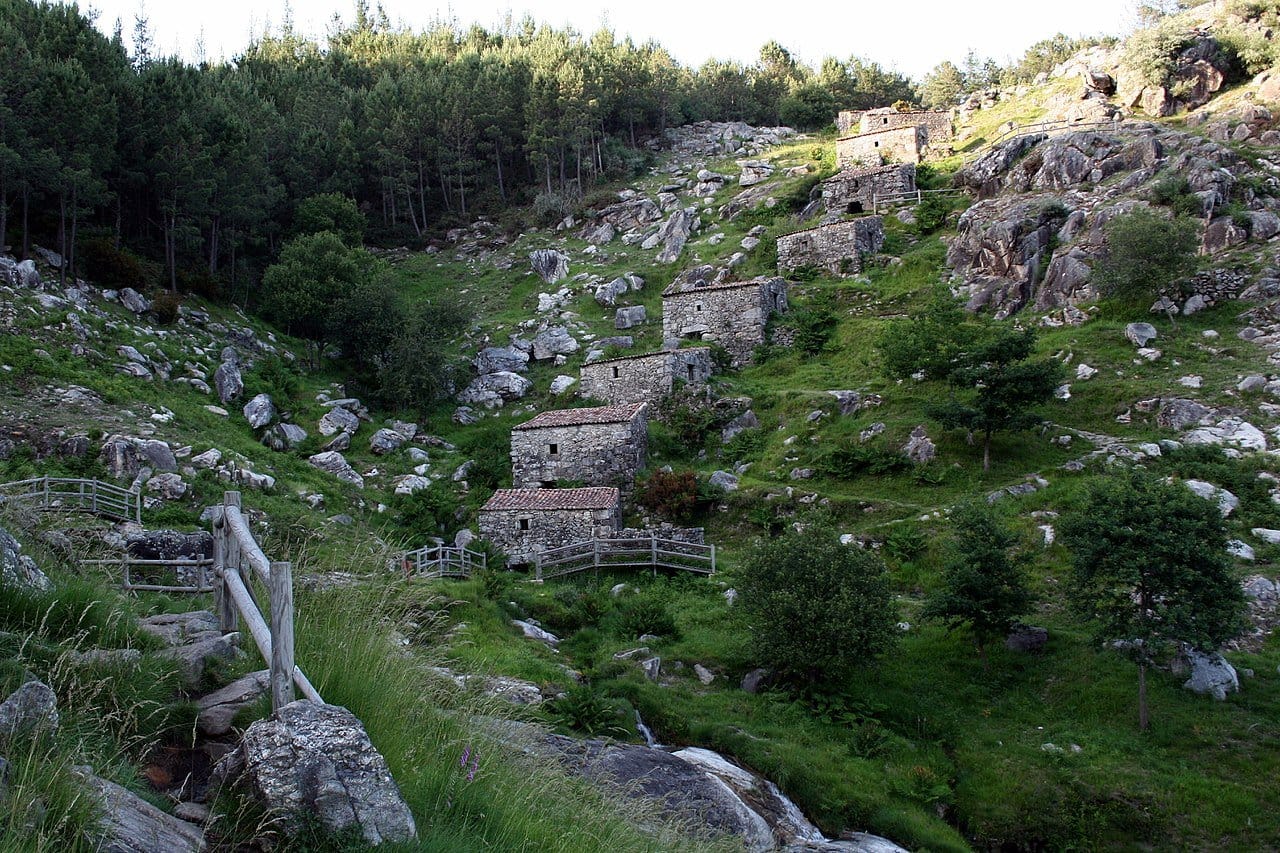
919,448
1211,675
130,824
124,456
550,265
338,419
228,381
674,234
553,342
18,571
282,437
494,359
260,411
333,462
31,707
629,317
170,545
494,389
134,301
385,441
219,708
1179,413
316,762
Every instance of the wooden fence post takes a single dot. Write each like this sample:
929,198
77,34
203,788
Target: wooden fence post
228,620
713,559
653,552
281,635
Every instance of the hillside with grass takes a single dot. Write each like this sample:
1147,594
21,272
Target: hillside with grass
1102,232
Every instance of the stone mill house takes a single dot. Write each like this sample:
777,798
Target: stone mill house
598,446
732,314
526,522
646,378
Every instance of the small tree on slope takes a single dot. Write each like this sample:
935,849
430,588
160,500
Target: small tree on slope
984,584
1151,568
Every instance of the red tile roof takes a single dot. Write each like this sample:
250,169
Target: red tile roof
595,497
578,417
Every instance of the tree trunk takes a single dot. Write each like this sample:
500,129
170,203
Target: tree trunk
422,193
173,252
413,214
1143,721
546,161
26,232
986,451
69,260
497,156
214,230
444,189
62,236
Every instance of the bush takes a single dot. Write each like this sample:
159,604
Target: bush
551,207
429,512
275,376
1146,254
817,610
112,267
584,709
332,212
643,614
814,325
165,307
675,495
854,460
905,542
1174,192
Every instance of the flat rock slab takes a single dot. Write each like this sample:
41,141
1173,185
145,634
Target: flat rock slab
132,825
220,707
193,658
178,629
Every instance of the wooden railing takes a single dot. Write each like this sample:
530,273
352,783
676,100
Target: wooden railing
649,552
68,494
443,561
913,197
1014,130
237,559
190,576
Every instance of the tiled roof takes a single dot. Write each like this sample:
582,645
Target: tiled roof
845,174
579,417
595,497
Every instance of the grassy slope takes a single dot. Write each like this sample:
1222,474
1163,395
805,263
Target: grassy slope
929,748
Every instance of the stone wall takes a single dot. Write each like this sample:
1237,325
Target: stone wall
936,122
853,190
732,315
645,378
596,454
841,247
523,534
897,145
849,121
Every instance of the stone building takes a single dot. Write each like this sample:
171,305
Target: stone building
840,247
599,446
855,190
645,378
849,121
936,122
732,314
526,522
892,145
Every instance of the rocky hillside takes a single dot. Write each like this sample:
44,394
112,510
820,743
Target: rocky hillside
515,715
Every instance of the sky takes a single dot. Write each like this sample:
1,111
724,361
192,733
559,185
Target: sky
910,38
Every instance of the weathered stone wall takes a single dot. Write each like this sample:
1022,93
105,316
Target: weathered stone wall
732,315
897,145
849,121
665,530
645,378
547,529
594,454
853,190
840,247
936,122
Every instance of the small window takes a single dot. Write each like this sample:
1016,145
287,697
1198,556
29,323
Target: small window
547,484
877,143
553,449
697,306
886,121
689,367
616,373
524,525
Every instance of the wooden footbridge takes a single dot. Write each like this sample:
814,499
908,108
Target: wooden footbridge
643,552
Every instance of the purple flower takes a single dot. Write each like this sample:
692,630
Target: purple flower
466,754
475,765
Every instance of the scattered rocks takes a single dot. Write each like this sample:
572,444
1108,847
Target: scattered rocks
1140,334
385,441
130,824
629,317
495,359
533,632
550,265
1226,501
17,570
919,448
1026,638
260,411
338,420
333,462
219,708
553,342
1211,674
31,707
724,480
494,389
124,456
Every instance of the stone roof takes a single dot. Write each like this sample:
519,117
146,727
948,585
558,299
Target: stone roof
594,497
580,417
845,174
643,355
728,285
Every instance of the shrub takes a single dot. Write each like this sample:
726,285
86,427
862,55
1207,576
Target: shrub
814,325
112,267
332,212
905,542
1174,192
584,709
1145,254
674,495
551,207
429,512
643,614
854,460
817,610
165,307
275,376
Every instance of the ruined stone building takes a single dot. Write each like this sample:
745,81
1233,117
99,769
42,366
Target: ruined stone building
526,522
891,145
645,378
599,446
839,247
855,190
731,314
936,122
849,122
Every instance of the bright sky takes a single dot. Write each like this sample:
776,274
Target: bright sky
909,36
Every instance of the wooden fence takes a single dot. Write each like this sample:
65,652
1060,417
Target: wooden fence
443,561
68,494
237,559
648,552
189,576
910,198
